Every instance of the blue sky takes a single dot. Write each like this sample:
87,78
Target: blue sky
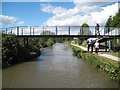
30,12
55,13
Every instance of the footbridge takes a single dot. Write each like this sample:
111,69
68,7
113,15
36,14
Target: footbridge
62,31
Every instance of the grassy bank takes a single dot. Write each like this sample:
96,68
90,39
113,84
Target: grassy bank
111,67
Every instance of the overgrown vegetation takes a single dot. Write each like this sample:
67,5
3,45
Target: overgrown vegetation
15,50
111,67
114,21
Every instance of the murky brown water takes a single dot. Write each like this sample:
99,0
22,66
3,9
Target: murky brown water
55,68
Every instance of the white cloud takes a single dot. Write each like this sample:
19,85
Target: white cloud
7,20
101,17
52,9
90,13
20,22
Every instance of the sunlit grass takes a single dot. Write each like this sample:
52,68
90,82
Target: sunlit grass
117,54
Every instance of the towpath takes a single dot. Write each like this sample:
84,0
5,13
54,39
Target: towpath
99,53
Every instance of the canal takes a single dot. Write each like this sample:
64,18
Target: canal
55,68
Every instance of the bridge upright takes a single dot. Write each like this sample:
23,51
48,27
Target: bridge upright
61,31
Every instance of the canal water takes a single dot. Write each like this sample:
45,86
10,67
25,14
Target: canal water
56,68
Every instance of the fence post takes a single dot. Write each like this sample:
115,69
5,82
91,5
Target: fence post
33,31
11,31
6,30
69,30
43,30
17,30
56,30
22,31
30,30
82,30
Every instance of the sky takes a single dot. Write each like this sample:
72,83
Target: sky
47,13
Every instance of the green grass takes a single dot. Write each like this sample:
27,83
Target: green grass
107,60
117,54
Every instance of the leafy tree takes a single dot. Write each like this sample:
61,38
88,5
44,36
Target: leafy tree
85,25
114,21
108,21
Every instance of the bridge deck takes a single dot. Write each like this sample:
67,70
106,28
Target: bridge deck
67,36
63,31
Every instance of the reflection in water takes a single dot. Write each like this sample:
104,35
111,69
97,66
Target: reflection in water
56,67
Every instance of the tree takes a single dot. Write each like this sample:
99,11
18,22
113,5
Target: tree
47,32
114,21
85,25
85,29
108,21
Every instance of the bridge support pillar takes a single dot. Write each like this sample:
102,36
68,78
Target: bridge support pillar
106,46
110,44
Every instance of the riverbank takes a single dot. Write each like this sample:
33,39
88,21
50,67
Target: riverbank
20,58
16,50
107,64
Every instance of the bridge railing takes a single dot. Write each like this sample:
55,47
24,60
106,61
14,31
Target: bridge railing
60,30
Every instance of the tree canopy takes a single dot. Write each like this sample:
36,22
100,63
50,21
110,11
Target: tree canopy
85,25
114,21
